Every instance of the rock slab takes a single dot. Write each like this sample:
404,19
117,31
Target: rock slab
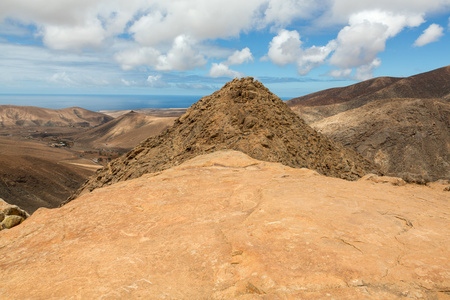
226,226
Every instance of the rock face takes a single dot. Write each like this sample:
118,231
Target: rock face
226,226
11,215
401,124
243,116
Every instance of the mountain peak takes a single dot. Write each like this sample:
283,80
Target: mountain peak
245,116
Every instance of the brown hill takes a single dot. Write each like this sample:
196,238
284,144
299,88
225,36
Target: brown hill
430,85
243,116
152,112
402,124
34,175
124,132
12,115
409,138
225,226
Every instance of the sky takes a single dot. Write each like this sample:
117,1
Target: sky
193,47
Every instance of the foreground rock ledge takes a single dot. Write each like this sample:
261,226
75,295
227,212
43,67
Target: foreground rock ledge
225,226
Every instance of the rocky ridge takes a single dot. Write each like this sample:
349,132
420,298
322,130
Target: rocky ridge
245,116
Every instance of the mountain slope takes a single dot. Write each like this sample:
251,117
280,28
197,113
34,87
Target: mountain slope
225,226
401,124
124,132
33,175
409,138
12,115
243,116
430,85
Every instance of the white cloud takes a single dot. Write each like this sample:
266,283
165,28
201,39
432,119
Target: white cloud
365,72
155,81
138,56
70,38
286,48
240,57
220,69
359,43
429,35
281,13
182,56
341,10
355,47
237,58
341,73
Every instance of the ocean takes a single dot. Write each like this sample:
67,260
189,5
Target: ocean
100,102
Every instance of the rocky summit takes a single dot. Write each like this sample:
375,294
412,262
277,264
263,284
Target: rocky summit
245,116
226,226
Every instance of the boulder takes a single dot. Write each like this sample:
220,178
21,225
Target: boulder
11,215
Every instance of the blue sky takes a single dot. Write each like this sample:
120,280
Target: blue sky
193,47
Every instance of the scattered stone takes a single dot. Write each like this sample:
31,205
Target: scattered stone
384,179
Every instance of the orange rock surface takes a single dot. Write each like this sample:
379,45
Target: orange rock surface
225,226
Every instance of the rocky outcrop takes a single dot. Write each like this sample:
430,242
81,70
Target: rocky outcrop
226,226
11,215
245,116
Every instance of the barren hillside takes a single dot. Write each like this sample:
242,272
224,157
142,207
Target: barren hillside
34,175
12,115
401,124
124,132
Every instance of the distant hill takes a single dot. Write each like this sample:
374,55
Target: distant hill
124,132
402,124
245,116
13,115
430,85
152,112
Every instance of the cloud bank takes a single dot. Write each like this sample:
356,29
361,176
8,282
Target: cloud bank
164,36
